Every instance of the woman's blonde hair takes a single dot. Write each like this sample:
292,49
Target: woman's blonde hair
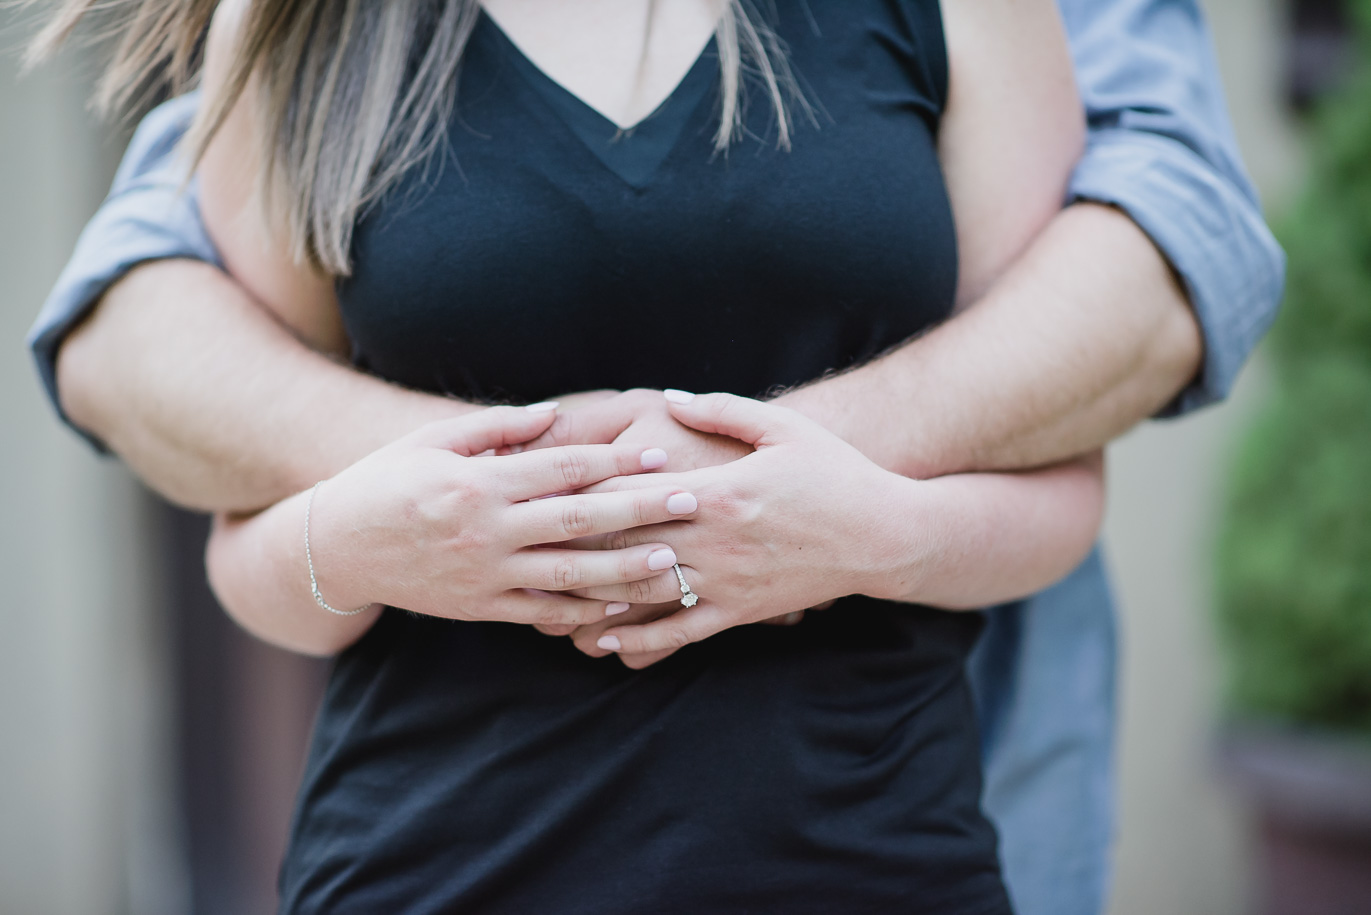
353,93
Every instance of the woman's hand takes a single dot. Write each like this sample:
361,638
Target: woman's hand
433,525
801,521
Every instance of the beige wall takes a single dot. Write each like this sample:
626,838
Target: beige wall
85,821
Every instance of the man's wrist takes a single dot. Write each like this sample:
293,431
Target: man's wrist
847,405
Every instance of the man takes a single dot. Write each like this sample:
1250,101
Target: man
1096,327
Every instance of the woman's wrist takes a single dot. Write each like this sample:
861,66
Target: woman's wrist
330,571
903,540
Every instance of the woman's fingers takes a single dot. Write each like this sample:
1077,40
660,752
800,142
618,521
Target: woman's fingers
571,570
659,589
680,534
564,518
751,421
667,634
547,609
552,470
586,637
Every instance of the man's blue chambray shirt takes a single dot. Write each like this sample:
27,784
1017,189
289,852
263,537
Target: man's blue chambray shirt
1161,149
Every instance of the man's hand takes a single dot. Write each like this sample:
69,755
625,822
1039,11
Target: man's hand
635,417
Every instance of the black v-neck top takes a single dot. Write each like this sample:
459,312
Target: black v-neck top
828,767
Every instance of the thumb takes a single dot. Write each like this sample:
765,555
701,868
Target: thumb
488,429
751,421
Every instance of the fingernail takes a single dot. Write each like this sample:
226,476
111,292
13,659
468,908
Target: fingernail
676,396
794,617
546,406
616,608
609,643
683,503
659,560
654,458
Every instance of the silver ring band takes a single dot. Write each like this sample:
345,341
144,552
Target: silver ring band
688,597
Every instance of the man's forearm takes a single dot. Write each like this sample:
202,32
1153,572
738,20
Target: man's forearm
212,402
1086,335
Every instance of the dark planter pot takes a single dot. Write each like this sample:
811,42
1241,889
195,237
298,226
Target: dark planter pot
1312,796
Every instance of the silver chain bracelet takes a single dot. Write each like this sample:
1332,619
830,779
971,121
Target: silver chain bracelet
309,561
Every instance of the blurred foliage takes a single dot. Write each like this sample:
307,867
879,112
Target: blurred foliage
1294,576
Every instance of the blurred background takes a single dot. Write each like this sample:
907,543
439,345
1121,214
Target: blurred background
149,751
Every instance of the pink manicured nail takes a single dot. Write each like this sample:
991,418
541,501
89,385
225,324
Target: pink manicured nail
546,406
676,396
609,643
654,458
660,560
616,608
683,503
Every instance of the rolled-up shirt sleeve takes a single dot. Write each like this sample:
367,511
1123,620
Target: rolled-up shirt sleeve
150,214
1162,149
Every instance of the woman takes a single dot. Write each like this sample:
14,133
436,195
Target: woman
830,766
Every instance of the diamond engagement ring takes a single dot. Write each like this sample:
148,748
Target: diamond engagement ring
688,597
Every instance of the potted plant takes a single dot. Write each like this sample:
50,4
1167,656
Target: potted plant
1294,569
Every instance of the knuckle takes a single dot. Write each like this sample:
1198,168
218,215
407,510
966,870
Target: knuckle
640,591
571,467
730,503
548,615
618,540
577,519
566,574
463,490
470,539
643,510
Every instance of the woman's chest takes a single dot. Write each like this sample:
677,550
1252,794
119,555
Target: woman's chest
552,254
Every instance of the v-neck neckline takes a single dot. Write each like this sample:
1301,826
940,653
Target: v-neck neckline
633,153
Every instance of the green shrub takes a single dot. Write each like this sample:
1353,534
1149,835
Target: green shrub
1294,570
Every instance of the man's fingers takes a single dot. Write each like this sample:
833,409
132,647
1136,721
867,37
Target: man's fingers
751,421
488,429
552,470
570,570
565,518
596,423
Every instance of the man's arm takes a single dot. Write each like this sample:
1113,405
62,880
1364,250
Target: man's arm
215,404
1095,327
1086,334
1094,350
